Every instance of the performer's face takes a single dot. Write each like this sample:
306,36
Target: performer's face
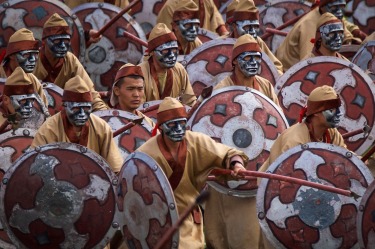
175,129
189,29
78,112
26,59
23,104
129,92
332,36
332,117
59,45
166,54
336,8
249,63
250,27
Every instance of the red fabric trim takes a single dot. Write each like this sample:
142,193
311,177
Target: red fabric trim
57,30
157,41
168,84
10,90
238,83
52,71
127,71
14,47
245,48
76,97
170,114
183,15
318,106
70,133
245,15
202,13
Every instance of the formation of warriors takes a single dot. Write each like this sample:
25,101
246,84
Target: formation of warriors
186,157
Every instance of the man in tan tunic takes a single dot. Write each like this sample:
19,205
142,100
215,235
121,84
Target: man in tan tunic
186,158
56,64
164,76
128,91
185,25
209,17
74,124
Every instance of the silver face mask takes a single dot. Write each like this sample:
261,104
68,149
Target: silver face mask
175,129
166,54
249,63
27,59
23,104
336,8
59,45
332,117
78,112
250,27
189,29
332,36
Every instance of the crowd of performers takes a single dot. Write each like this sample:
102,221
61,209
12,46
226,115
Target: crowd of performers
186,157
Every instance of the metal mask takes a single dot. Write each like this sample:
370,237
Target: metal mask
23,104
332,117
250,27
175,129
249,63
59,45
189,29
166,54
337,8
27,59
332,36
78,112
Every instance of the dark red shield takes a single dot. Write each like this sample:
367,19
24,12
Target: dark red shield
275,14
146,202
211,62
244,119
350,82
365,218
59,196
364,15
32,14
294,216
104,59
131,139
349,51
206,35
54,96
365,59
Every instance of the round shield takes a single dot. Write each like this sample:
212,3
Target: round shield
206,35
365,59
104,58
59,196
212,62
349,51
129,140
242,118
146,202
32,14
275,14
54,96
355,88
295,216
365,218
364,15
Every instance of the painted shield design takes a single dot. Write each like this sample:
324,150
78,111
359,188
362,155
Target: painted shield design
242,118
103,59
365,59
54,96
294,216
355,88
364,15
59,196
275,14
365,219
206,35
32,14
146,202
212,62
131,139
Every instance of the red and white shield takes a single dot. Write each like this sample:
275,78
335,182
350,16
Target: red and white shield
365,59
355,88
364,15
146,202
295,216
59,196
242,118
104,58
206,35
365,218
54,96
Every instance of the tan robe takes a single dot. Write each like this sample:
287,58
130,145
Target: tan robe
371,37
100,138
146,119
297,43
71,68
212,20
75,3
314,54
263,46
187,47
181,84
199,146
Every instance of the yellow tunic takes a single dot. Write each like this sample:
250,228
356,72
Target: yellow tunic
338,55
71,68
100,138
181,84
185,46
199,146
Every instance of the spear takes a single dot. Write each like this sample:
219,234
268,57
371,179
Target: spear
276,31
135,39
128,126
150,108
365,130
